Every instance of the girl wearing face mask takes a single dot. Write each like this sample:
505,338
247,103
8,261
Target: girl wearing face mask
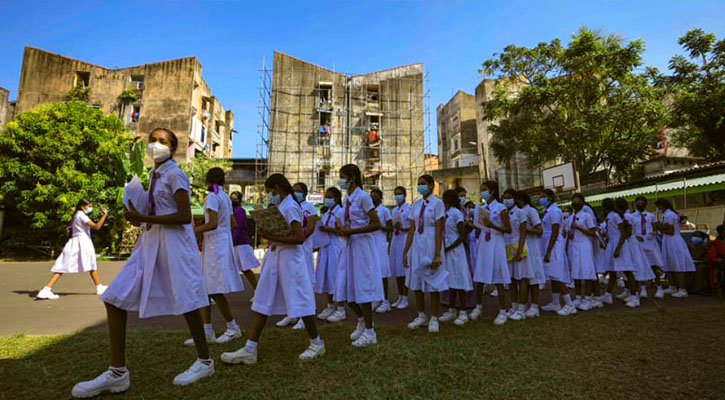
643,272
533,235
219,263
401,226
328,256
618,254
359,282
491,266
163,275
78,254
242,244
675,254
552,247
581,228
309,221
426,260
382,247
643,228
284,287
518,258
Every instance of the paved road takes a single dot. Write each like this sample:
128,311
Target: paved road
79,308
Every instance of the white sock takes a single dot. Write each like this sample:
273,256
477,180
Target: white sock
434,318
479,307
463,312
232,325
208,330
361,320
47,288
452,310
370,332
502,312
588,298
341,308
421,314
330,306
567,300
250,346
118,371
317,341
514,306
555,298
659,287
578,298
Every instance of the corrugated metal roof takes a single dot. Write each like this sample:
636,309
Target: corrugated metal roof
661,187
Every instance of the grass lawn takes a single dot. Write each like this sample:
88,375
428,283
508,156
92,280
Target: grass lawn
629,355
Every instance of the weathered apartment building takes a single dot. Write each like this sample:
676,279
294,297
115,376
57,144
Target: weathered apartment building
320,120
170,94
7,107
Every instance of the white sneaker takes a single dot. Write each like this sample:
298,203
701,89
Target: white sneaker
359,330
449,315
251,300
552,307
585,305
500,319
228,336
532,312
100,289
240,356
597,304
47,294
285,321
375,305
300,325
633,302
620,282
313,351
494,293
365,340
510,311
418,322
606,298
337,316
325,314
659,294
670,290
197,371
517,315
105,382
577,302
396,302
462,319
680,294
209,340
433,325
383,307
624,294
403,304
567,310
643,293
476,313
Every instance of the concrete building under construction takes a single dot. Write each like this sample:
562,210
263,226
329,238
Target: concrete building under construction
315,120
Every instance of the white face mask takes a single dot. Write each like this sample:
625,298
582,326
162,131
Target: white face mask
88,210
158,152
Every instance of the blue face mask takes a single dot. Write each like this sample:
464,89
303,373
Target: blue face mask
399,198
485,195
508,203
697,239
462,200
273,198
423,189
344,184
543,201
329,202
299,196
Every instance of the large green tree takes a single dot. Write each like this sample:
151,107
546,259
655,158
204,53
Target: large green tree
697,90
55,155
584,103
196,171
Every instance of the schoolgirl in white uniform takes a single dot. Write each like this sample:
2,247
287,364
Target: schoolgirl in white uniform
284,286
643,271
675,254
643,228
491,265
219,262
552,248
163,275
328,257
426,260
78,254
401,226
566,214
517,257
359,282
581,228
598,246
618,254
456,262
533,247
242,243
381,245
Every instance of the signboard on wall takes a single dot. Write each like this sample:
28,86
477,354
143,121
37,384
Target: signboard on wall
315,198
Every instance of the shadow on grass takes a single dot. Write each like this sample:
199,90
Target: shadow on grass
33,293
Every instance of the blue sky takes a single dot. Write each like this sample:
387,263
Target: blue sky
230,38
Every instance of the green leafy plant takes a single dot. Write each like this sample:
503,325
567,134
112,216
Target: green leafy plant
79,93
127,96
196,171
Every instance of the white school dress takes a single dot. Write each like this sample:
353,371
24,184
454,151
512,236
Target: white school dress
644,272
600,254
491,265
284,286
675,254
240,238
643,228
358,276
556,269
381,242
425,213
459,275
580,251
309,211
624,262
163,275
219,262
536,260
397,243
329,255
596,248
472,241
78,254
519,269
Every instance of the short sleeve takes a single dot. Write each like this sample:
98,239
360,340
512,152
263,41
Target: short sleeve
556,216
212,202
439,210
456,217
177,180
366,203
411,213
83,218
292,213
589,221
669,218
533,217
386,215
616,219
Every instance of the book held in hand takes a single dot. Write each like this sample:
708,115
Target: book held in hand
271,221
